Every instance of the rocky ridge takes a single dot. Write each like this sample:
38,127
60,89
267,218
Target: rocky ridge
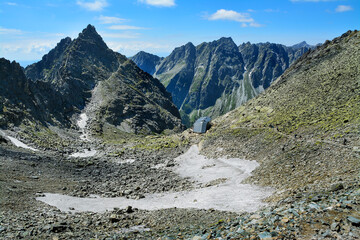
216,77
67,79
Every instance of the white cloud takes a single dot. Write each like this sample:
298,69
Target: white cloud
244,18
125,35
231,15
27,50
96,5
343,8
11,3
253,24
110,20
159,3
10,31
125,27
133,47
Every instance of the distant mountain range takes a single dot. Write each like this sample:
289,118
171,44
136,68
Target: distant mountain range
84,76
213,78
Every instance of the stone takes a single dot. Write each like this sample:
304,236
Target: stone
265,236
336,187
58,228
114,218
327,233
354,221
197,238
129,209
335,227
255,216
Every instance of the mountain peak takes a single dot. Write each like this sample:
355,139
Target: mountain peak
189,44
89,33
301,45
89,29
90,36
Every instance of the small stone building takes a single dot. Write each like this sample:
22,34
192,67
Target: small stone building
202,124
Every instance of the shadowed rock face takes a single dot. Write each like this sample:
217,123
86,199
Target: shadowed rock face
63,83
24,100
214,78
16,100
146,61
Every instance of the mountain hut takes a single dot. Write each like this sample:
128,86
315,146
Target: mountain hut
202,124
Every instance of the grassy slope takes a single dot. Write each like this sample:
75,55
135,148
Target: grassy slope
305,128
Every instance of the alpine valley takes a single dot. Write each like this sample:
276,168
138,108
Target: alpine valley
94,145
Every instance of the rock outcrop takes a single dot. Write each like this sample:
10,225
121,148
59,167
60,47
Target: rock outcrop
16,99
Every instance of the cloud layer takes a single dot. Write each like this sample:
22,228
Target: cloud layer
97,5
229,15
125,27
159,3
343,8
110,20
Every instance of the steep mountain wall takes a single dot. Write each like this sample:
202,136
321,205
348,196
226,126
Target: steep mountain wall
214,78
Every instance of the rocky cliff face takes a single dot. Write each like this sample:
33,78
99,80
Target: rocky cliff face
146,61
16,99
214,78
23,100
85,76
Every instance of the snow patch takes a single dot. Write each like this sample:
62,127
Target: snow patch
228,194
129,161
139,228
82,122
204,170
18,143
84,154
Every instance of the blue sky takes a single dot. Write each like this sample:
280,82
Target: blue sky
29,29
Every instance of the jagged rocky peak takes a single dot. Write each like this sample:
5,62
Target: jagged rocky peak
90,34
183,51
146,61
226,41
301,45
84,72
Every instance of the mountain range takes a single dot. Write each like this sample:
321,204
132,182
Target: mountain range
216,77
85,76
